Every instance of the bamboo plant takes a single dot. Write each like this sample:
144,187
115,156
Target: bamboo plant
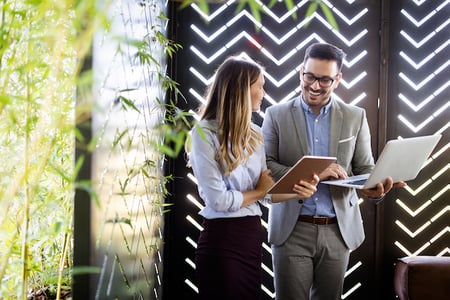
43,45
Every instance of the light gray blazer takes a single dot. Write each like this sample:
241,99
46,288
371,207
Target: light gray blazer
285,138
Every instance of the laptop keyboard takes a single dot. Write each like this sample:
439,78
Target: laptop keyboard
357,182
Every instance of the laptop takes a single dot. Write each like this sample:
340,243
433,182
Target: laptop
401,159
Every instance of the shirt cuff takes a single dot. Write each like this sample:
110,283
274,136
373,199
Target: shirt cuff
267,199
377,199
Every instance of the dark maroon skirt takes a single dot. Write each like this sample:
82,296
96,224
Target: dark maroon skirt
228,259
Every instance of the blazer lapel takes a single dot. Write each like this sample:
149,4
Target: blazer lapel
336,128
300,125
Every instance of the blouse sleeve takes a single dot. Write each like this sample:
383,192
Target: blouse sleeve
211,185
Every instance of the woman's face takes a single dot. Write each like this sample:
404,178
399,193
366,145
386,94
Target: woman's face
257,92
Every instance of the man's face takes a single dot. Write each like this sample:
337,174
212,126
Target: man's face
318,79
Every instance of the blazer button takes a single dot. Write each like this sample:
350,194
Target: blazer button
300,201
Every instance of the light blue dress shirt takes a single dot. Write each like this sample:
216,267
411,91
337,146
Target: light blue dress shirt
222,194
318,128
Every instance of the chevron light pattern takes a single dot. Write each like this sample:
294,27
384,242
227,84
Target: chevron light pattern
278,43
421,212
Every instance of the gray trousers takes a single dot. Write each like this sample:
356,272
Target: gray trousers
311,264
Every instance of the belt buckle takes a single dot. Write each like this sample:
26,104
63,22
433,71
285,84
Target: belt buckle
316,220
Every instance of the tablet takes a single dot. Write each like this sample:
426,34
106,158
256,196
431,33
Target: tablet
304,169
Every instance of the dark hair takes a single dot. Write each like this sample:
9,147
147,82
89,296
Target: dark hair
326,52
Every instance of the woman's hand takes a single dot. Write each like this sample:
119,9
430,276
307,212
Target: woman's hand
265,182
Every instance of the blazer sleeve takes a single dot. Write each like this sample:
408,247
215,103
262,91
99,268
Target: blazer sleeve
270,130
362,161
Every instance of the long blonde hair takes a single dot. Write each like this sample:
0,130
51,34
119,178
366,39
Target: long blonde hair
229,102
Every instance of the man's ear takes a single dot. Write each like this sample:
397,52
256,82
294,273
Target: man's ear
338,78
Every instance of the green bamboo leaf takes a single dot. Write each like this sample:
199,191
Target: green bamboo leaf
162,16
86,185
310,11
329,15
200,131
256,9
78,165
5,99
57,227
290,6
145,173
240,6
59,171
179,141
118,220
131,42
150,163
311,8
162,148
127,90
81,270
164,204
128,103
119,138
204,6
186,3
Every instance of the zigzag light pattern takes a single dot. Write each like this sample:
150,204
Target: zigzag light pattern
424,246
421,106
351,290
427,106
426,18
433,96
427,203
353,268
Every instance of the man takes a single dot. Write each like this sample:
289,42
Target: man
312,238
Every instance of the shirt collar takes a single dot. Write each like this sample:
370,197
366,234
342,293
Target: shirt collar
323,111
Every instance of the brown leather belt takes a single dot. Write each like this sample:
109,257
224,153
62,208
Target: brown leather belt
317,220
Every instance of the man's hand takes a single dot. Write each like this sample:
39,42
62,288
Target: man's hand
381,190
306,189
334,171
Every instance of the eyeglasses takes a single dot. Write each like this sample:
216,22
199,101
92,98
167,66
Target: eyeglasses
325,81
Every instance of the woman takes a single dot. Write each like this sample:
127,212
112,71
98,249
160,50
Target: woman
228,160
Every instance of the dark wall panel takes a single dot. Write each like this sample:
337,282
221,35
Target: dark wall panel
278,42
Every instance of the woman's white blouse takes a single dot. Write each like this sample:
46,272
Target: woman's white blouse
221,194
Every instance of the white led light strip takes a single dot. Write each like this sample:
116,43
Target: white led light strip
353,268
417,128
407,252
410,211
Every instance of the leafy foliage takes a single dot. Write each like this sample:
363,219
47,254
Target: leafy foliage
43,46
39,51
